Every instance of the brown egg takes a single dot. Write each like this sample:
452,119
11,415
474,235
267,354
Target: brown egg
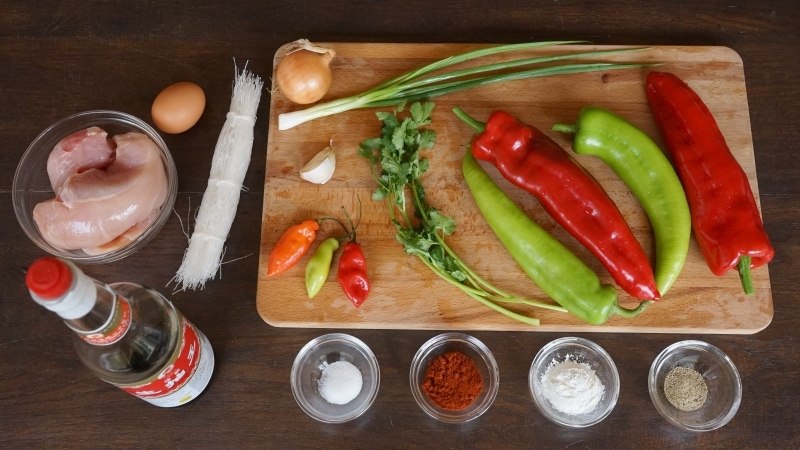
178,107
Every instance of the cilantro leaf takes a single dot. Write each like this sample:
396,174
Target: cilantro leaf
421,112
399,137
441,222
426,139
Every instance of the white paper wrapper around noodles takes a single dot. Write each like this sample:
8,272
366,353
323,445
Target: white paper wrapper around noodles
221,197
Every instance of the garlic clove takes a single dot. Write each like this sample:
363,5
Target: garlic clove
320,169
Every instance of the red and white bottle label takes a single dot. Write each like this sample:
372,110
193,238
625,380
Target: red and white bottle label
118,323
186,374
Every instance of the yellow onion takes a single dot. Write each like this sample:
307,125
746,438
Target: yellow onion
304,74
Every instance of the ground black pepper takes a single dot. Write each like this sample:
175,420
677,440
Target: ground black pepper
685,388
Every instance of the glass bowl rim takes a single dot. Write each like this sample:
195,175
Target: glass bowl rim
719,356
612,390
487,358
351,341
93,117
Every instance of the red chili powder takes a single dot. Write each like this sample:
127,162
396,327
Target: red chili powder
452,381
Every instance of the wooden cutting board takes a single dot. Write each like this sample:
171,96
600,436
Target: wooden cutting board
405,293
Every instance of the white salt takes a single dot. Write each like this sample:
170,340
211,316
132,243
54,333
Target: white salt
340,382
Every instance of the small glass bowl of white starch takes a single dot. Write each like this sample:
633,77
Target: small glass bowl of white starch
574,382
335,378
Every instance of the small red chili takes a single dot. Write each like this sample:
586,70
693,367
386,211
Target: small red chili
352,273
292,245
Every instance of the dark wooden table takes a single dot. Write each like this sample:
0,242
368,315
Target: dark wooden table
57,58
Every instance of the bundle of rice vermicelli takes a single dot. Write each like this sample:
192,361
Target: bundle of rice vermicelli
221,197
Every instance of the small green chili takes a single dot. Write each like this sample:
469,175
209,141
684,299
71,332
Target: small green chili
319,265
644,168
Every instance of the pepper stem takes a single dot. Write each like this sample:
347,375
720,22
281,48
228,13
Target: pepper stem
477,125
631,313
744,275
565,128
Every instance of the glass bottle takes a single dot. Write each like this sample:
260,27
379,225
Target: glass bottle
128,335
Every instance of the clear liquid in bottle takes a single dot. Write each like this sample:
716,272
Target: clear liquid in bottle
128,335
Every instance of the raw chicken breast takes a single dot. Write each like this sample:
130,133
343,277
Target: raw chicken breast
125,238
80,151
96,206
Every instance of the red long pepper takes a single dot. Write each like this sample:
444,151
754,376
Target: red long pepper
725,217
532,161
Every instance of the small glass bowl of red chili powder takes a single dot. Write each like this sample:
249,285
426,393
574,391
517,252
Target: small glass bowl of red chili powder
454,377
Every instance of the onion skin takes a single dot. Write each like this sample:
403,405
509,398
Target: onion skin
304,76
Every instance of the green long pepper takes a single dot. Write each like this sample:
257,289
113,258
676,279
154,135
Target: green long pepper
319,265
551,265
644,168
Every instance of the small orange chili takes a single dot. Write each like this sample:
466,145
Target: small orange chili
292,245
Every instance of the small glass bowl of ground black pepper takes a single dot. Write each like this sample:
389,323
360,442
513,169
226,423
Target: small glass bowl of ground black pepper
335,378
454,377
695,386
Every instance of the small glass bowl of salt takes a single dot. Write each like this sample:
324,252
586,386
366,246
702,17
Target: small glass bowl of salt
574,382
335,378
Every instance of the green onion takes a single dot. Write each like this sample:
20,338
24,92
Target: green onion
412,86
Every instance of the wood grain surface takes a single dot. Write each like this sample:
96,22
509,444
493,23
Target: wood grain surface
408,295
61,57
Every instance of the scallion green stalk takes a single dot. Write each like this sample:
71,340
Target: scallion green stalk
411,86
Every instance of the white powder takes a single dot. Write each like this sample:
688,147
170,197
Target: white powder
340,382
572,387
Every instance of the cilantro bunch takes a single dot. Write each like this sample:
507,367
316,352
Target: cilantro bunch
397,167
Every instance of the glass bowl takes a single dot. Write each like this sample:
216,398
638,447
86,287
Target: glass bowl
31,183
308,368
718,371
484,362
578,350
